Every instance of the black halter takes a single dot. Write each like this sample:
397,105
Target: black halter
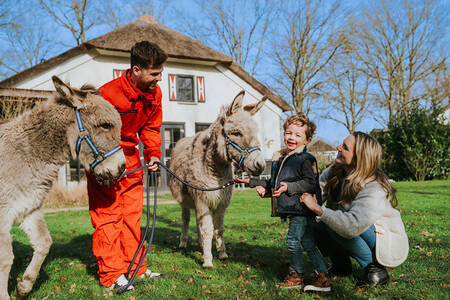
98,155
243,151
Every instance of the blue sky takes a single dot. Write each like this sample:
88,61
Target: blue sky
176,14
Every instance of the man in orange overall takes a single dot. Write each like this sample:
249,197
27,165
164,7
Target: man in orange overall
116,209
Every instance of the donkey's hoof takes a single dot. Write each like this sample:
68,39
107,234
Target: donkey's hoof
182,246
23,288
207,265
223,256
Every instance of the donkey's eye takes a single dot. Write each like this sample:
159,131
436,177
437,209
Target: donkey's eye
106,126
236,133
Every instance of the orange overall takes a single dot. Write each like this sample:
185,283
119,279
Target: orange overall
116,209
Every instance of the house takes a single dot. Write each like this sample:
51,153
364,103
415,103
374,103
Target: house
197,81
322,150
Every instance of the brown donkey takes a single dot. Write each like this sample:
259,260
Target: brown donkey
33,147
206,160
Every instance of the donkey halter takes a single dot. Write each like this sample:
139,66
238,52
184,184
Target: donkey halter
83,135
243,151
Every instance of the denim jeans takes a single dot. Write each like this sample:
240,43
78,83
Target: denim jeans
361,248
301,232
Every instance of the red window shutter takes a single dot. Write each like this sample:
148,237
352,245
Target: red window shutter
201,88
172,87
117,73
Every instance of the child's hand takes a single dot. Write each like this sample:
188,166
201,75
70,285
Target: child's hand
242,180
281,190
261,190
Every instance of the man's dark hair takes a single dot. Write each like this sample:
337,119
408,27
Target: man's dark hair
147,54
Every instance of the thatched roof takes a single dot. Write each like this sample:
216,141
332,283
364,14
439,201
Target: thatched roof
318,145
174,43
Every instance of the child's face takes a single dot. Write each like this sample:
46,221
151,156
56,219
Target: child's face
295,136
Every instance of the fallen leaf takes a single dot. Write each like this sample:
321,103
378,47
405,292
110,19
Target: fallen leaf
426,233
72,288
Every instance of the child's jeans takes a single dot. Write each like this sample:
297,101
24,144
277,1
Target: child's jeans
300,231
361,248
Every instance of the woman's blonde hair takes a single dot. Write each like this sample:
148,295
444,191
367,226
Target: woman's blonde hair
342,188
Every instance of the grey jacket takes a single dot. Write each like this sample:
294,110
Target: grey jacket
370,206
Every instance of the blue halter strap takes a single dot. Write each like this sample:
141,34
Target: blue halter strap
98,155
243,151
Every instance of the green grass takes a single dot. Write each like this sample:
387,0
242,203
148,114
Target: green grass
258,256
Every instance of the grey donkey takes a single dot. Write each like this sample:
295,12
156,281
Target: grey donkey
33,147
205,161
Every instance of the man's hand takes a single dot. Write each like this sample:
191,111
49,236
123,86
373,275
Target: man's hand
281,190
242,180
261,191
152,165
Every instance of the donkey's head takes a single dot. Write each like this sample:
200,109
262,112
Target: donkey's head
240,135
94,135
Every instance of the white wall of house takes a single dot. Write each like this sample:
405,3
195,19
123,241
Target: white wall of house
221,86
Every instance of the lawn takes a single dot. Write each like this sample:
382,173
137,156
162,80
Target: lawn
258,256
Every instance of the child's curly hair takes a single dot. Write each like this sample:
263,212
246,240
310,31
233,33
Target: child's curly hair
301,119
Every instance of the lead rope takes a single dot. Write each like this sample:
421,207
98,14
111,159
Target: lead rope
155,189
131,280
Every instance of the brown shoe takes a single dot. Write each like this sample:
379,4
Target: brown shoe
321,283
292,281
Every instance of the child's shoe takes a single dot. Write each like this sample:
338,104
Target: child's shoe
120,282
321,283
292,281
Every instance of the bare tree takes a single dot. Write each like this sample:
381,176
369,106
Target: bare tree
71,14
309,43
116,14
237,28
347,91
398,46
29,44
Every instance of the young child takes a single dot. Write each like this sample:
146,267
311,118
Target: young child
292,175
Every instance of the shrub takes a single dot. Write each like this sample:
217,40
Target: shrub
416,145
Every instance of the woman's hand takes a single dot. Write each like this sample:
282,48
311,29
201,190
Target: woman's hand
311,202
261,191
281,190
242,180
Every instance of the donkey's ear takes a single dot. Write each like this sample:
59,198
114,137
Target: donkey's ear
255,107
236,104
68,93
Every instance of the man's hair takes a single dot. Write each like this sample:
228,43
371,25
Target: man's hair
147,54
301,119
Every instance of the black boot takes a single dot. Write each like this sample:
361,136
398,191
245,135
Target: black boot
341,266
374,275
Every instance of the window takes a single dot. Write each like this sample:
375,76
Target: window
187,88
201,126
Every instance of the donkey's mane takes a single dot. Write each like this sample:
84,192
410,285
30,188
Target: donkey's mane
89,88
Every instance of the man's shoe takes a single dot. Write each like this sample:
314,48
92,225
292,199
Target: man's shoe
292,281
120,282
374,275
321,283
150,274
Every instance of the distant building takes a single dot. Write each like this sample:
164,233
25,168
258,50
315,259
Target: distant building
322,150
197,81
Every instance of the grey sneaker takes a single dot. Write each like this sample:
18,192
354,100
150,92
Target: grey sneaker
120,282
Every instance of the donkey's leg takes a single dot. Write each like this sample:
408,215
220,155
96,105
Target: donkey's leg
185,217
6,259
206,230
219,229
36,229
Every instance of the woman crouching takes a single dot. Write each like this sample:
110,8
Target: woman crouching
359,219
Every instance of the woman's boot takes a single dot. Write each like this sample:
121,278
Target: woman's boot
374,274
